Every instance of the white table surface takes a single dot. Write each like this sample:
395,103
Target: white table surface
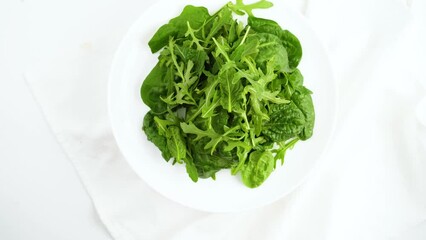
41,196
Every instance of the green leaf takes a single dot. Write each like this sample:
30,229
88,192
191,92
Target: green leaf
215,138
222,19
286,121
289,41
280,152
176,143
155,86
258,169
293,47
231,89
262,25
303,100
211,98
250,48
153,135
239,7
295,78
197,57
177,27
208,164
243,148
219,121
271,47
191,169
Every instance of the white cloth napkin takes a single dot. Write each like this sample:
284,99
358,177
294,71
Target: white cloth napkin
372,184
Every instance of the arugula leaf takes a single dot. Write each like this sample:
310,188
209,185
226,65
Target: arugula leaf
211,98
175,143
177,147
231,89
221,19
284,146
239,7
191,168
197,57
249,49
214,137
243,149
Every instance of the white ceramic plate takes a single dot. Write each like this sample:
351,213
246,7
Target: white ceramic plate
133,61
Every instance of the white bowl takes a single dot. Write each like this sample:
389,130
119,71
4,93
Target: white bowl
133,61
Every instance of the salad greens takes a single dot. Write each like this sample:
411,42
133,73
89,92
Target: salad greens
225,95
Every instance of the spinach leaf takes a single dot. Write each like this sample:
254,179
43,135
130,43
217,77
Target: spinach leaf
153,135
262,25
258,168
289,41
286,121
303,100
270,47
155,86
293,47
295,79
208,164
177,27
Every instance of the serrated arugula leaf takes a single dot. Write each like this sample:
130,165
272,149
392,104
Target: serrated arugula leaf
239,7
281,151
220,20
175,143
231,89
